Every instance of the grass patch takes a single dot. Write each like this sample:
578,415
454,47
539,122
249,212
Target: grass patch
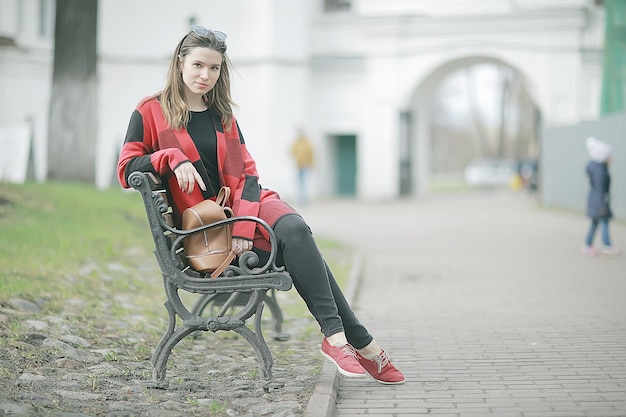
64,241
50,231
84,256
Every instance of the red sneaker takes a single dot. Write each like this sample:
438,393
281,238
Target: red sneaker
344,357
381,369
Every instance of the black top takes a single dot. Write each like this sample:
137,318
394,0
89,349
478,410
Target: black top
202,132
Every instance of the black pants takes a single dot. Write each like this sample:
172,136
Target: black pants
315,282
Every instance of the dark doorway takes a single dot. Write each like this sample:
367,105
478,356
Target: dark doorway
345,164
406,154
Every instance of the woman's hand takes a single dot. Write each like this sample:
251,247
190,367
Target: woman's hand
242,244
187,176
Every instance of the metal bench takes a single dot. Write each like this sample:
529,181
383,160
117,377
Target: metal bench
225,303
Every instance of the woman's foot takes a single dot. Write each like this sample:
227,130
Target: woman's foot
344,357
610,252
381,369
588,251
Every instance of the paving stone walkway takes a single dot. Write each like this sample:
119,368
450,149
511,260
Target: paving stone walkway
487,305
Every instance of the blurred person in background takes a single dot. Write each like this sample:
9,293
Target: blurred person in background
187,135
302,152
598,199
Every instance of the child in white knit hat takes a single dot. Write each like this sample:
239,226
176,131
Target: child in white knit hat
598,199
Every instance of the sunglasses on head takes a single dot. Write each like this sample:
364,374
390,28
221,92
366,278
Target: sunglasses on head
202,31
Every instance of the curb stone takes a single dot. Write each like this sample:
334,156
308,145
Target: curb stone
324,398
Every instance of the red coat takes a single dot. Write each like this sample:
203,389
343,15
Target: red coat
161,149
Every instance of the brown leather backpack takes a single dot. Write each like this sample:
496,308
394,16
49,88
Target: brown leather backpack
209,250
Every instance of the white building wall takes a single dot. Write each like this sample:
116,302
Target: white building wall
337,73
378,153
267,43
26,73
399,51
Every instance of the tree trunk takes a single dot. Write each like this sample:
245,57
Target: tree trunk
72,135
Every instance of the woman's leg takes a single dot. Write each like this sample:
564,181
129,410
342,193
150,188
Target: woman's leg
318,288
604,228
356,333
591,233
315,282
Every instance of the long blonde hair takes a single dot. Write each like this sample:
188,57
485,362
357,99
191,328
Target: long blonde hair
172,98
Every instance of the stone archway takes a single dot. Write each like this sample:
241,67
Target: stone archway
441,139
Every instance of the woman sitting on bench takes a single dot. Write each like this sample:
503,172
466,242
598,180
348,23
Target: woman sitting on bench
187,135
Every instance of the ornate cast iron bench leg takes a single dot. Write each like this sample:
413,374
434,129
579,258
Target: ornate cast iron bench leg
216,301
216,323
277,316
162,352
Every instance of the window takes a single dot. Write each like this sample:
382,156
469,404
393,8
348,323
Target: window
46,16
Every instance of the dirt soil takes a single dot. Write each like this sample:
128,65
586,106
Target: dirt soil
71,363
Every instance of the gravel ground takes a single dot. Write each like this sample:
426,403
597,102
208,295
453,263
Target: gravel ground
70,364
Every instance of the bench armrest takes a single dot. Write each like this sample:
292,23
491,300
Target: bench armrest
152,190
